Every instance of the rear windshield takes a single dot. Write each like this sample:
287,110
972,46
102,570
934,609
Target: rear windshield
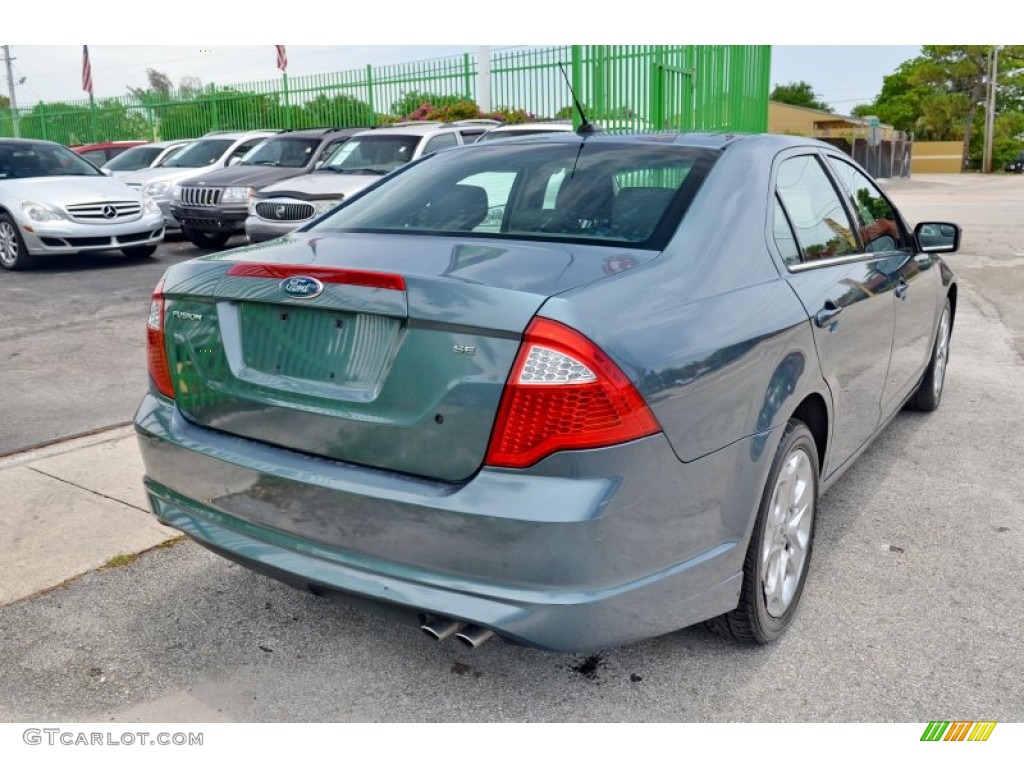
605,192
200,153
133,159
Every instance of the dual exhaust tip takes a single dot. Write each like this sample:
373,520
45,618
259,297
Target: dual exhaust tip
469,635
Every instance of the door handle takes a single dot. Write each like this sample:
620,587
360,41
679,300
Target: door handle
901,289
827,314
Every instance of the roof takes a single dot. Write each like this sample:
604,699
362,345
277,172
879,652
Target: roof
548,125
105,145
419,129
12,140
238,134
170,142
757,141
316,133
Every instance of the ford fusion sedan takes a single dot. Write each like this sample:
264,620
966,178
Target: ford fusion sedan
570,390
52,201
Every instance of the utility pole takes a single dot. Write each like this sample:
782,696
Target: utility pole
990,109
10,90
483,83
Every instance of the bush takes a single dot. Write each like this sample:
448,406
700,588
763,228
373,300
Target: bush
464,109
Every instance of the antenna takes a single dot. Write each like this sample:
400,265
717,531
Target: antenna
585,125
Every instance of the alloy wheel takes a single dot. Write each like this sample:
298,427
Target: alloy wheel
785,545
941,353
8,244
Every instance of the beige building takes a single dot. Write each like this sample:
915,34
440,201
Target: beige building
803,121
926,157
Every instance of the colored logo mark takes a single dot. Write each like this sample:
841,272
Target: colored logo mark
959,730
302,287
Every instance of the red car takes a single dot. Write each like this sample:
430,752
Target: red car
98,154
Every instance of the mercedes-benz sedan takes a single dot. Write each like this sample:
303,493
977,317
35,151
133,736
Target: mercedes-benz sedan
572,391
52,201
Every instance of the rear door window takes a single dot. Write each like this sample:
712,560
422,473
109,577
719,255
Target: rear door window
820,224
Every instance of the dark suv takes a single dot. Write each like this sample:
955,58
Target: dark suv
213,207
1016,165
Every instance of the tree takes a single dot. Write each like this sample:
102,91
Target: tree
341,110
799,94
959,72
189,87
900,102
159,84
940,95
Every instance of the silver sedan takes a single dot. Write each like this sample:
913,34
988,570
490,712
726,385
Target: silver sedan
53,201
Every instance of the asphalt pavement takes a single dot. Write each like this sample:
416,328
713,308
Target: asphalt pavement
73,343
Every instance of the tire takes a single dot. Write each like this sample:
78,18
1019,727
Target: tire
139,251
205,239
782,538
13,253
929,391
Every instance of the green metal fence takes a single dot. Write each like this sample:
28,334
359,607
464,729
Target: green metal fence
622,87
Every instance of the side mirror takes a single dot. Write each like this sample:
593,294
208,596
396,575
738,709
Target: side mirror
937,237
105,171
234,160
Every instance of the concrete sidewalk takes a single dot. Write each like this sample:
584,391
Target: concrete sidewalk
68,508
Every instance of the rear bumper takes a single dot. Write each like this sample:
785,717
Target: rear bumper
586,550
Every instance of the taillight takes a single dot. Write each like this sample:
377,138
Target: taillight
564,393
159,371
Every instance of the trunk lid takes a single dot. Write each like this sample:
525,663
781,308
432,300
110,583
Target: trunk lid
403,371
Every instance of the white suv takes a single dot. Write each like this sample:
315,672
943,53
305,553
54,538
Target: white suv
218,149
279,208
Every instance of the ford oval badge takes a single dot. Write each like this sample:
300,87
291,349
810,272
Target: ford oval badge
302,287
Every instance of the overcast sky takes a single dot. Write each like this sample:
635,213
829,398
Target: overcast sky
52,72
331,37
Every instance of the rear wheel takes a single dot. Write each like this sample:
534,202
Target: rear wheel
13,253
202,239
779,554
139,251
929,391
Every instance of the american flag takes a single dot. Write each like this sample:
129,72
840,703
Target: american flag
86,71
282,58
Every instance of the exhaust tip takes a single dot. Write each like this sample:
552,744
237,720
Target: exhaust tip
474,636
442,629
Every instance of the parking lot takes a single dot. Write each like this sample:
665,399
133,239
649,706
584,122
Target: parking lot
912,611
